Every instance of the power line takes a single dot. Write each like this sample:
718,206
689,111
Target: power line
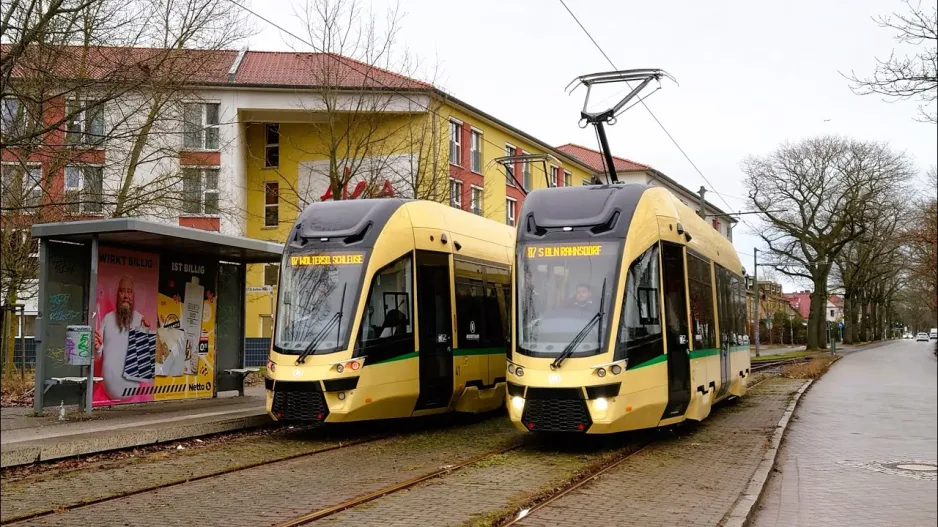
652,114
351,64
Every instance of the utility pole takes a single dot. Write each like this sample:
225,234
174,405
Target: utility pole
791,329
703,211
755,297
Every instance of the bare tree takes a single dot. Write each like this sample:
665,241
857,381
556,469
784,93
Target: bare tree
828,187
912,76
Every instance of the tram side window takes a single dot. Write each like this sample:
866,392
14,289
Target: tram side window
497,312
739,310
470,293
701,302
388,314
726,308
640,336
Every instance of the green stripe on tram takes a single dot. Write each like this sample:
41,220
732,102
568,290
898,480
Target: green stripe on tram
649,362
699,354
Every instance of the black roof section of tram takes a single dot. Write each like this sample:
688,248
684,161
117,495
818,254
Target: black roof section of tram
343,223
601,212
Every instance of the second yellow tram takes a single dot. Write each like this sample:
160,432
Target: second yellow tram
390,308
629,312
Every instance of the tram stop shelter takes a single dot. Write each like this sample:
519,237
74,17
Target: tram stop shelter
134,311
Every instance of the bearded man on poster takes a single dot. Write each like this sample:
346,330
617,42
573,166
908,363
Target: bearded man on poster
112,338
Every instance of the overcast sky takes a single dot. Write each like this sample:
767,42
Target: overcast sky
751,74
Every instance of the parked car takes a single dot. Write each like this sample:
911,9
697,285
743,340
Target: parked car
934,334
922,337
907,336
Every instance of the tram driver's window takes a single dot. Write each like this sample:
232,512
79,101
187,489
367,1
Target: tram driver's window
640,324
388,309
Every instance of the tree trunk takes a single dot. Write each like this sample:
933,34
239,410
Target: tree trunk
848,317
816,320
9,331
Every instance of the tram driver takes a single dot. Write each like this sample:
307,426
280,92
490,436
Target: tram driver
582,299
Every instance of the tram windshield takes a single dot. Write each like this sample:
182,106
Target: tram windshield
564,295
317,300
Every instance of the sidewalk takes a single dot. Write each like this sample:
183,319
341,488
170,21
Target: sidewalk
27,439
856,435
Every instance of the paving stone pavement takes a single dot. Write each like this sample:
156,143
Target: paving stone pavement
872,408
267,494
691,480
49,491
492,484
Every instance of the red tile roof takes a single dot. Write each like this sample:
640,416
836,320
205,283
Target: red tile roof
257,68
594,159
274,68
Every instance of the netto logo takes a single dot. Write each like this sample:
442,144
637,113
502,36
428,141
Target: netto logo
472,326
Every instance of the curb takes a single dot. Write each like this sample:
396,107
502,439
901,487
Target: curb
742,510
94,443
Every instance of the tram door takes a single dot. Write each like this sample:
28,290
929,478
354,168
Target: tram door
676,328
436,330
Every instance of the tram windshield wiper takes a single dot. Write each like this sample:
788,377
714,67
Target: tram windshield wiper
597,319
321,334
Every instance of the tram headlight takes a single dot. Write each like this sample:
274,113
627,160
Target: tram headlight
517,402
601,372
271,366
601,404
511,369
339,368
616,369
519,371
341,396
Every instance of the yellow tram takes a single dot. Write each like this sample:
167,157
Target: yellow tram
629,312
390,308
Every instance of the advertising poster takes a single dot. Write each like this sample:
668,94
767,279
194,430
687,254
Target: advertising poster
185,348
125,326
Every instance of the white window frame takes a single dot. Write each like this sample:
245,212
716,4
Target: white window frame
13,122
268,266
567,178
554,176
475,149
204,126
275,206
455,142
473,201
511,211
82,204
81,135
455,198
510,150
268,145
36,192
202,191
526,174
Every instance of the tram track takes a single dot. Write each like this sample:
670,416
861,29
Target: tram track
143,490
319,514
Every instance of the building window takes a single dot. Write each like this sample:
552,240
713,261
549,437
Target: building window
272,146
13,119
729,231
267,326
455,143
85,125
271,274
716,224
201,126
84,189
475,144
555,176
271,204
832,313
200,190
510,166
455,193
475,200
567,178
526,172
585,182
510,210
21,187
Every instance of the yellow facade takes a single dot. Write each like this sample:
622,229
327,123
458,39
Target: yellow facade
419,136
